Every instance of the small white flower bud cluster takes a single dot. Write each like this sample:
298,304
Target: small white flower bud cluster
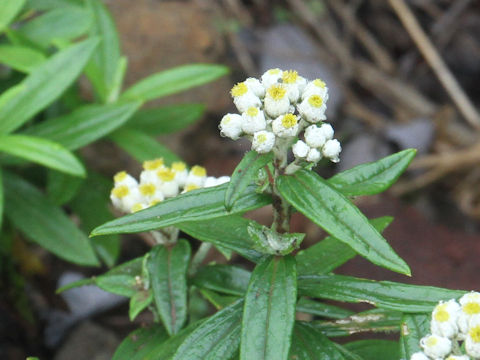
276,109
453,322
158,182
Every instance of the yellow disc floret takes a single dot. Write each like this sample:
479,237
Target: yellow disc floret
153,164
252,111
199,171
166,174
290,77
261,138
471,308
239,89
120,191
277,92
474,333
273,71
191,187
289,121
320,83
137,207
431,341
441,314
120,176
178,166
147,189
315,101
154,202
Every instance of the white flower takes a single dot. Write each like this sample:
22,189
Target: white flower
223,179
313,109
285,125
124,197
472,341
231,126
150,168
300,149
151,193
316,87
196,177
167,184
315,136
181,172
291,80
314,156
276,101
436,346
271,77
253,120
138,206
256,86
331,150
123,178
327,130
470,307
419,356
213,181
243,97
263,141
444,319
458,357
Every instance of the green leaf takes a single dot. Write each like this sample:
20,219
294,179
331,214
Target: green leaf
139,302
64,23
310,344
9,9
85,124
217,338
195,205
269,311
75,284
140,342
383,294
217,300
330,253
2,196
347,354
142,146
168,267
269,241
51,4
225,279
321,203
43,152
244,174
21,58
309,306
374,177
174,80
226,231
375,349
122,279
103,68
61,188
414,327
42,222
166,119
45,84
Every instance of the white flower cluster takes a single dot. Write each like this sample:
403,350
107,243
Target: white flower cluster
453,322
158,182
268,115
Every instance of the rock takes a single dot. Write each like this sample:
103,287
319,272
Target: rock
418,134
360,149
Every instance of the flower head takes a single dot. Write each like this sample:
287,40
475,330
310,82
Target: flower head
263,141
436,346
444,319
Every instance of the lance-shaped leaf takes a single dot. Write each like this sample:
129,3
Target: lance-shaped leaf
43,152
374,349
313,307
244,174
216,338
122,279
311,344
383,294
332,211
414,327
226,279
167,267
44,223
269,311
227,231
174,80
374,177
21,58
8,10
139,302
2,197
45,84
196,205
330,253
85,124
140,342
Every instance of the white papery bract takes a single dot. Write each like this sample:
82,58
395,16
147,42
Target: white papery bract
457,357
123,178
256,86
470,308
327,131
285,126
124,197
271,77
313,109
181,172
316,87
213,181
253,121
315,136
444,319
276,100
436,346
300,149
332,149
231,126
244,98
472,340
196,176
419,356
263,141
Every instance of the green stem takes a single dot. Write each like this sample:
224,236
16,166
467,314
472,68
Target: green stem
198,258
281,209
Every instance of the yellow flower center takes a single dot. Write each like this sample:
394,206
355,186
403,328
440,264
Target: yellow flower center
153,164
277,92
191,187
147,189
261,138
120,191
289,121
441,315
199,171
315,101
154,202
166,174
319,83
252,111
239,89
431,341
471,308
120,176
290,77
180,165
137,207
273,71
226,120
475,333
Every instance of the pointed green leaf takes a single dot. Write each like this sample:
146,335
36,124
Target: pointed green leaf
140,342
196,205
21,58
122,279
383,294
174,80
42,222
61,187
2,196
9,9
43,152
42,5
330,253
332,211
414,327
225,279
374,177
269,311
217,338
217,300
375,349
45,84
167,267
313,307
139,302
